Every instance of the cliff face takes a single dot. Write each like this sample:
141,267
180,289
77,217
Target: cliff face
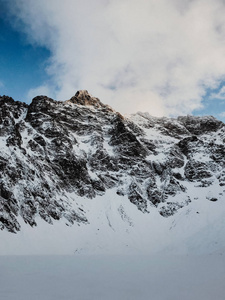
51,151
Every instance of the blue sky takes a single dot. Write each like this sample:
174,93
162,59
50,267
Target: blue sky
22,64
166,58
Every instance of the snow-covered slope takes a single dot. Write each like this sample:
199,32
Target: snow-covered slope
78,177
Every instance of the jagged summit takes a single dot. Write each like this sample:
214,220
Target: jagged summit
82,97
53,160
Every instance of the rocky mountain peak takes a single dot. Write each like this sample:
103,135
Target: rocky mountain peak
82,97
50,156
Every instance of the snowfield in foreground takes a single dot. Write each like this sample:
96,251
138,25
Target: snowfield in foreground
80,277
117,227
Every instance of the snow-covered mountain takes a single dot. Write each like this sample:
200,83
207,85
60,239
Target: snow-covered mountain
77,176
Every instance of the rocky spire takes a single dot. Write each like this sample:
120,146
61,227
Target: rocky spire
82,97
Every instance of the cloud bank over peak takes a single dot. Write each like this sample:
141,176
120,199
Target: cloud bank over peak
156,56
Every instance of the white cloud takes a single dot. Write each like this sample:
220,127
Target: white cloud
150,55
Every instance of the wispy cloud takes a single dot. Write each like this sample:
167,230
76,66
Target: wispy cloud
157,56
40,90
219,95
222,114
1,84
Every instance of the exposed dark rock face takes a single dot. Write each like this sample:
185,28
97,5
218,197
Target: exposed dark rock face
124,140
200,125
196,170
54,151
